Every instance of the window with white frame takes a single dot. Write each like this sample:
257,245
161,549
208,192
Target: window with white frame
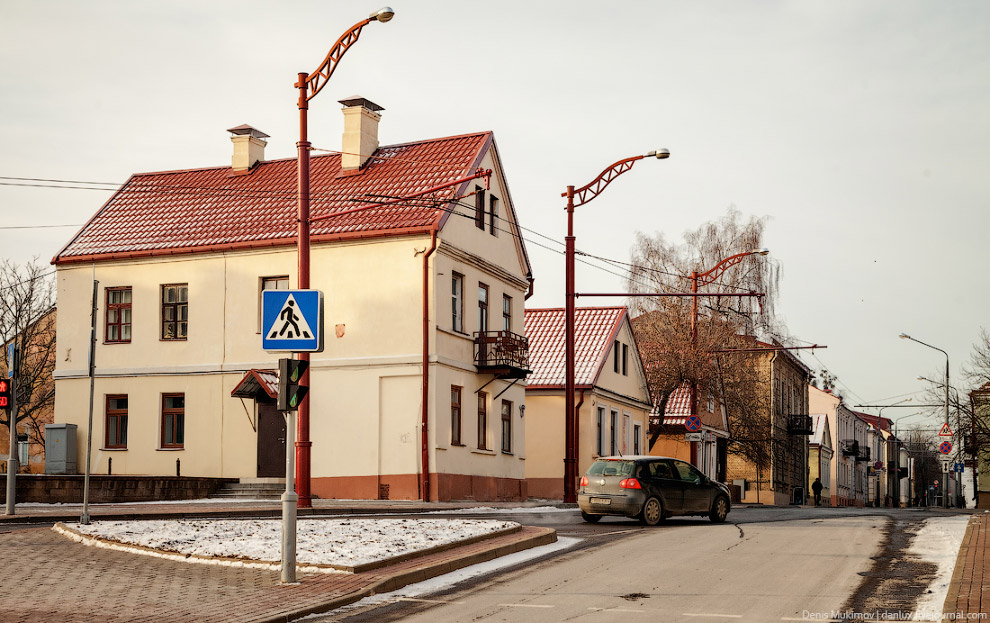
613,429
600,431
457,302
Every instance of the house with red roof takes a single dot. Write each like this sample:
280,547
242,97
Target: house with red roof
703,442
613,401
416,394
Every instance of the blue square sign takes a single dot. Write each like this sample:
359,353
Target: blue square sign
292,321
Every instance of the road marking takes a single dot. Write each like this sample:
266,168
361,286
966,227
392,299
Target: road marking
720,616
429,601
615,610
611,533
525,606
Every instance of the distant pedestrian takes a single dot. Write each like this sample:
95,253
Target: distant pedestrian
816,488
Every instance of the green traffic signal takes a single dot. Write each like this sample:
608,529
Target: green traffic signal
290,390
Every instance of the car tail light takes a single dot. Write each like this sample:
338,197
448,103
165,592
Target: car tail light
630,483
584,481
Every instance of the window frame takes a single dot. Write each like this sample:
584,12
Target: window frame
615,356
118,308
492,214
483,307
262,281
600,440
479,208
457,302
176,307
456,391
506,312
625,359
119,442
613,425
174,414
482,420
506,426
637,443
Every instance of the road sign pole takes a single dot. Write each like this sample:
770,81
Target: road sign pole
289,500
12,462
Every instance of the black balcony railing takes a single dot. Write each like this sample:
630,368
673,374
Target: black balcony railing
502,352
864,454
850,447
800,425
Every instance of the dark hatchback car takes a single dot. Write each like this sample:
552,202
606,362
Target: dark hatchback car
650,488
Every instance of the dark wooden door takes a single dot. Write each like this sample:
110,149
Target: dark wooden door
271,442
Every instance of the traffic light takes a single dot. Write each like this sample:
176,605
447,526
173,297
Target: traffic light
291,391
4,393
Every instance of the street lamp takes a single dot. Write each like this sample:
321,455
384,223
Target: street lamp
945,478
576,198
309,85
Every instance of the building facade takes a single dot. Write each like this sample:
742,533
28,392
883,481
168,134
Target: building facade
416,394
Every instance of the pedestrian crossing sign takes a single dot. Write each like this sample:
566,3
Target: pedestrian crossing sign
292,321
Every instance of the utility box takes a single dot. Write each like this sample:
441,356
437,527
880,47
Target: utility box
60,449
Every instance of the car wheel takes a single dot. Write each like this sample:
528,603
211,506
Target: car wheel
590,518
652,512
720,510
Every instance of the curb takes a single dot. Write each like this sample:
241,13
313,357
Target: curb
529,537
955,584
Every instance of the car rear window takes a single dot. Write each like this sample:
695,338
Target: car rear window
612,468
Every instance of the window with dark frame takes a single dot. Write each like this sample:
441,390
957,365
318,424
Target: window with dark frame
175,311
482,308
613,424
455,415
479,207
173,420
492,214
625,360
270,283
506,426
615,356
118,315
457,302
506,312
637,431
482,421
600,437
116,429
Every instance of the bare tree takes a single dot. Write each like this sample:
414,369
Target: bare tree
27,318
663,324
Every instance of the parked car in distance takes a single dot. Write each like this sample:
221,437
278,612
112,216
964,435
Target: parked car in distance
650,488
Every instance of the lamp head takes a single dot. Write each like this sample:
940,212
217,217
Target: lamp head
763,251
659,154
383,14
904,336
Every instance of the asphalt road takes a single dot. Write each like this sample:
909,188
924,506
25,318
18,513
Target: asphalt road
764,564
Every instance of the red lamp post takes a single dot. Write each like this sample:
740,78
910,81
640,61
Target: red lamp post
701,279
309,85
582,195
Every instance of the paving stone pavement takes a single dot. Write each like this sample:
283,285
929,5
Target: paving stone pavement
49,578
969,589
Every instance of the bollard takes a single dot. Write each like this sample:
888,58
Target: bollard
177,471
110,466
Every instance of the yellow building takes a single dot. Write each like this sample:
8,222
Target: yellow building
423,319
613,401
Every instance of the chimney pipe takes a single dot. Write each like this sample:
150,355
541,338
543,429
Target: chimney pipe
249,147
360,139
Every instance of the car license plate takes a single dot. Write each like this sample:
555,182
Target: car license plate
605,501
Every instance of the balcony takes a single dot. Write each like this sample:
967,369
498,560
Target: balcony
800,425
864,455
502,353
850,447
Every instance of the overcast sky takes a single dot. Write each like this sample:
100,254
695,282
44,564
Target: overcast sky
861,129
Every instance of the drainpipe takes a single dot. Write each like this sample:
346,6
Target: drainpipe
424,483
577,425
529,293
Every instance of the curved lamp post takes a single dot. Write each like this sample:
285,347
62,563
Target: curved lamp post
309,85
945,477
576,198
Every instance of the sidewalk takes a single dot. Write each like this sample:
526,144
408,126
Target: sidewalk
55,579
969,589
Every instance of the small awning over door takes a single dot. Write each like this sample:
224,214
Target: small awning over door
254,382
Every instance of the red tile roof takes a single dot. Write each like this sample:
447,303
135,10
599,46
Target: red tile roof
213,209
255,380
678,405
595,328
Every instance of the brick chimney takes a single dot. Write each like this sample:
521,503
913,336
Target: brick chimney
360,138
249,147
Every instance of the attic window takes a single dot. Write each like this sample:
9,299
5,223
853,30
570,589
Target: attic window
492,214
479,207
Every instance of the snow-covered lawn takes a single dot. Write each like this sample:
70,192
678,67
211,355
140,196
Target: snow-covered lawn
341,543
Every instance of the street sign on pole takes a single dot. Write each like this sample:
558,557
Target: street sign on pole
292,321
692,423
945,447
946,431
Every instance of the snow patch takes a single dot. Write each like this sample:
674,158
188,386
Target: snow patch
937,542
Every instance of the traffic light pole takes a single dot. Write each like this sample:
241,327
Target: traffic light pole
289,501
12,462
